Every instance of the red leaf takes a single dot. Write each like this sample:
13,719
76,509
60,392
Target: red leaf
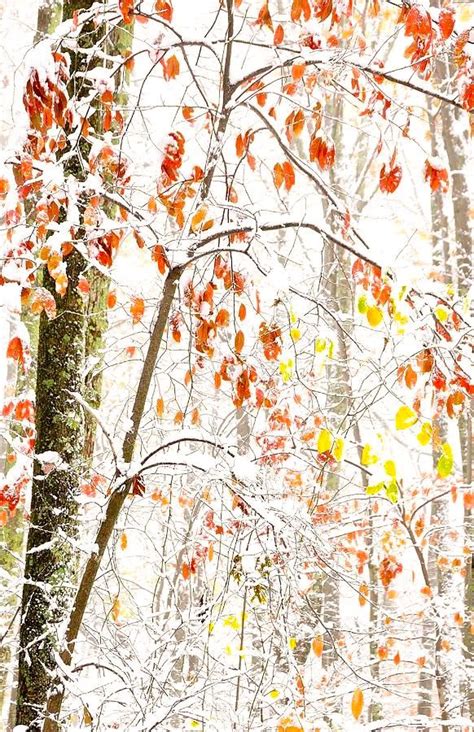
288,174
322,150
164,9
278,35
418,22
390,178
15,350
410,376
138,486
446,22
126,7
436,175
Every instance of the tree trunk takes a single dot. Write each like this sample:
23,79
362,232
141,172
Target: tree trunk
51,560
50,557
440,249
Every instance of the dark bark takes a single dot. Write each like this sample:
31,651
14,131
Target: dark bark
116,501
51,559
49,571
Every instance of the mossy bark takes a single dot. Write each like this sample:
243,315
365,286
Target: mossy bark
51,557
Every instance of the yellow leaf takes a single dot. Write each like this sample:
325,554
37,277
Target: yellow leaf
274,694
324,441
116,609
338,451
86,717
441,314
425,435
390,468
446,461
362,305
123,541
295,334
405,418
286,370
320,345
292,643
357,703
374,316
368,457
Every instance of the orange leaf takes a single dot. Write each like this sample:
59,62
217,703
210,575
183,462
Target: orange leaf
83,286
278,35
278,176
15,350
186,570
222,318
160,407
198,218
239,341
126,8
322,150
164,8
297,71
123,541
390,178
436,175
264,17
357,703
289,175
425,361
300,8
364,591
137,309
318,646
242,311
170,68
294,124
418,22
4,188
111,299
446,22
410,376
43,300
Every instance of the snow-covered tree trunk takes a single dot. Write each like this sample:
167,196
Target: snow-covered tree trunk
51,563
